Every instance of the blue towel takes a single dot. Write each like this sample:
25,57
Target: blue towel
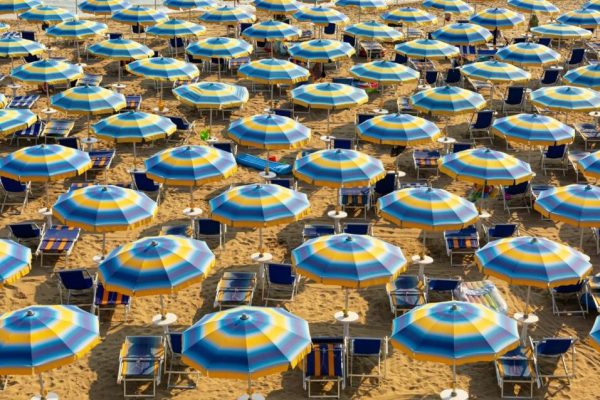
250,161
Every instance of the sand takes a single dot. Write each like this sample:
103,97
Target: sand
94,376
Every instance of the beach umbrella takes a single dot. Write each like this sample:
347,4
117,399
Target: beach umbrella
4,27
156,265
133,127
120,50
362,4
321,50
566,99
190,166
271,31
76,29
533,129
462,33
175,28
36,339
595,334
584,18
350,261
212,96
15,261
384,73
321,16
398,130
229,16
589,165
44,163
13,120
447,100
561,31
269,132
409,16
220,48
47,14
18,47
274,72
456,333
497,19
328,96
188,5
427,48
373,31
587,76
528,54
103,7
534,6
163,69
495,72
18,6
259,206
140,16
449,6
232,343
277,7
591,5
104,208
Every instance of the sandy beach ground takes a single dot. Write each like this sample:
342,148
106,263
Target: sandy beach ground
94,376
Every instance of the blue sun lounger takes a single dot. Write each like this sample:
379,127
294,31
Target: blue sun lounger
254,162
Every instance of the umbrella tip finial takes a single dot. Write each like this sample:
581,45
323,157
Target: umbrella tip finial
104,189
454,306
349,238
588,187
244,317
29,313
154,243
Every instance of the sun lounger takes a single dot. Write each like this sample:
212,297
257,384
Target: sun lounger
58,240
500,231
235,289
209,228
324,364
445,287
141,360
426,160
588,132
90,80
405,293
549,352
26,101
108,300
101,161
569,297
281,283
250,161
15,193
26,232
31,133
312,231
366,358
516,197
535,192
75,283
516,368
356,198
463,241
358,228
58,128
141,183
482,292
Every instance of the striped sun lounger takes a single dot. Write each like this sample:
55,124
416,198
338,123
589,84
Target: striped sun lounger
108,300
133,102
58,128
23,101
464,241
356,198
31,133
426,160
58,240
482,292
141,360
235,288
101,161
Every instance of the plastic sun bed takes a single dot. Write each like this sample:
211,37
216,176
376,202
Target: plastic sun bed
250,161
482,292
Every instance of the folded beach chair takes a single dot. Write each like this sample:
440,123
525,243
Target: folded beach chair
26,232
58,128
184,130
75,283
175,367
588,132
89,80
209,228
426,160
366,358
463,241
26,101
15,193
32,133
281,283
482,292
312,231
235,289
254,162
353,198
132,102
441,287
324,364
358,228
101,161
551,353
569,295
516,197
405,293
107,300
57,240
141,183
500,231
141,361
516,368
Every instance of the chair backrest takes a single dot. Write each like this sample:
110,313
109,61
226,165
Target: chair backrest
137,29
457,147
484,119
520,188
386,185
431,77
329,29
31,58
26,230
519,40
176,42
452,75
545,41
175,342
342,143
577,56
29,35
72,142
550,76
349,39
76,279
576,288
442,285
143,183
515,95
142,346
557,151
346,81
554,346
406,282
366,346
285,182
11,185
225,146
400,58
115,35
360,118
284,112
281,274
357,228
103,296
180,123
325,360
504,230
244,26
207,226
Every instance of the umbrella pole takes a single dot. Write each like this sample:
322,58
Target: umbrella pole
42,389
526,313
260,242
453,394
328,113
88,125
346,301
192,198
267,165
134,157
581,239
210,122
47,184
219,71
272,102
119,72
249,392
163,314
103,244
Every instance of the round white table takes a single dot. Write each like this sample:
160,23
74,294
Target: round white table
212,140
48,112
381,111
595,114
267,176
261,259
420,88
14,87
49,396
82,65
159,111
192,212
253,396
346,320
169,319
97,259
89,142
456,394
118,87
446,141
421,262
328,139
525,320
46,212
337,216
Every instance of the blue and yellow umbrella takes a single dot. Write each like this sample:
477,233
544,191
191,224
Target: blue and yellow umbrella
533,129
320,15
497,18
398,130
120,49
462,33
374,31
17,6
163,69
485,167
561,31
528,53
362,4
103,7
47,14
269,132
583,18
495,71
219,47
4,27
88,100
449,6
430,209
279,7
12,120
447,100
17,47
227,15
427,48
140,15
176,28
271,31
409,16
15,261
591,5
188,4
590,165
384,73
77,29
595,334
321,50
534,6
48,72
587,76
576,205
566,98
273,71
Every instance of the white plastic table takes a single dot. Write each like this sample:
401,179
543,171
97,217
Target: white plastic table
337,216
456,394
421,262
346,320
168,320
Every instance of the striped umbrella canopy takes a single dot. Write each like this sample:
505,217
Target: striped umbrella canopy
430,209
103,7
462,33
495,71
561,31
28,335
338,168
3,101
212,95
590,165
274,71
163,69
47,72
219,47
566,98
448,100
595,334
18,47
246,343
17,6
409,16
12,120
227,15
77,29
176,28
533,129
15,261
120,49
576,205
279,7
587,76
449,6
320,15
188,4
271,30
384,72
88,100
4,27
592,5
427,48
362,4
497,18
528,53
321,50
140,15
47,14
583,18
534,6
398,130
269,132
485,167
156,265
375,31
